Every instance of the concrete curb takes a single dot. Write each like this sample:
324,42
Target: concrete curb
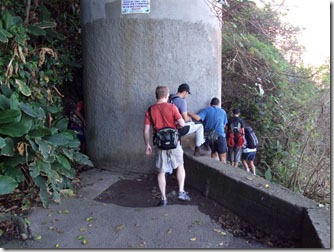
266,205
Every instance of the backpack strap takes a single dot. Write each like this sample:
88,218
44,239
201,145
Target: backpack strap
170,100
235,123
154,132
149,112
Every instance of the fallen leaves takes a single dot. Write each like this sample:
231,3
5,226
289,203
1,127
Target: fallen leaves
67,192
21,147
241,228
37,237
219,231
63,212
195,222
83,239
119,227
88,219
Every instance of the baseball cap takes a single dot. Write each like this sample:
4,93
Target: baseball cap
184,87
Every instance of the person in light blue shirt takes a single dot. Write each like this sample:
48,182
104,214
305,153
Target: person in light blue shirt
214,118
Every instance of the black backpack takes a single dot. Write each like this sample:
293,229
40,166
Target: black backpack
166,138
251,140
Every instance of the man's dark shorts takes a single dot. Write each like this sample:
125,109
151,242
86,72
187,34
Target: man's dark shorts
249,156
219,146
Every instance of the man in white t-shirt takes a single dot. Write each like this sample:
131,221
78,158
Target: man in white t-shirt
179,99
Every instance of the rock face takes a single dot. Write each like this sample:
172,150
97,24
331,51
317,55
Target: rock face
127,55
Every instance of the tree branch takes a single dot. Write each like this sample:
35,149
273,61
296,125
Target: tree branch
26,20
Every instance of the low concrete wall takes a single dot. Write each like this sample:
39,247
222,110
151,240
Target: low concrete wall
274,209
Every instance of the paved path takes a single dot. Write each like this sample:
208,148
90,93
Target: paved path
118,211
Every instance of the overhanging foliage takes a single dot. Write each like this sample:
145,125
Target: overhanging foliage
37,149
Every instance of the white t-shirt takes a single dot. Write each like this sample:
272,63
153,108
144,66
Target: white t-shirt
247,150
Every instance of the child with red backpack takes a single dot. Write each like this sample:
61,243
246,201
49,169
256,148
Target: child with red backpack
235,138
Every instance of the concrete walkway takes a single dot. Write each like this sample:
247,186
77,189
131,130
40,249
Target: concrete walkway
89,220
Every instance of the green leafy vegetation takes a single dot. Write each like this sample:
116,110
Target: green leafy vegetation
38,152
286,103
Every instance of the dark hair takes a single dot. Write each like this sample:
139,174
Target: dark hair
184,87
236,111
214,101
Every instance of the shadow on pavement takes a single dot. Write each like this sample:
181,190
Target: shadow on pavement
144,192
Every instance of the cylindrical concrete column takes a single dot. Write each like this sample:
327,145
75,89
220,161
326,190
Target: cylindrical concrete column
127,56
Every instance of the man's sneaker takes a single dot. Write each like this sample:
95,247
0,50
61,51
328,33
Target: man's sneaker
199,151
183,196
162,203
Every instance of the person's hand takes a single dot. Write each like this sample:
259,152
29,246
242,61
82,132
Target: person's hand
148,150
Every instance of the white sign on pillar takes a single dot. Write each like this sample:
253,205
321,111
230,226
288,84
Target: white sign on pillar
135,6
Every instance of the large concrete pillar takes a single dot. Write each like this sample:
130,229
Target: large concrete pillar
127,56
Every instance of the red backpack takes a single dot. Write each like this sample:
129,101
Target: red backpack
235,136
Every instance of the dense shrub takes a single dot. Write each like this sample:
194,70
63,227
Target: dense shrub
37,151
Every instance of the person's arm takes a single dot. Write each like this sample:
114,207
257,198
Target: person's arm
225,122
78,113
148,148
186,117
242,127
194,116
180,123
181,104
